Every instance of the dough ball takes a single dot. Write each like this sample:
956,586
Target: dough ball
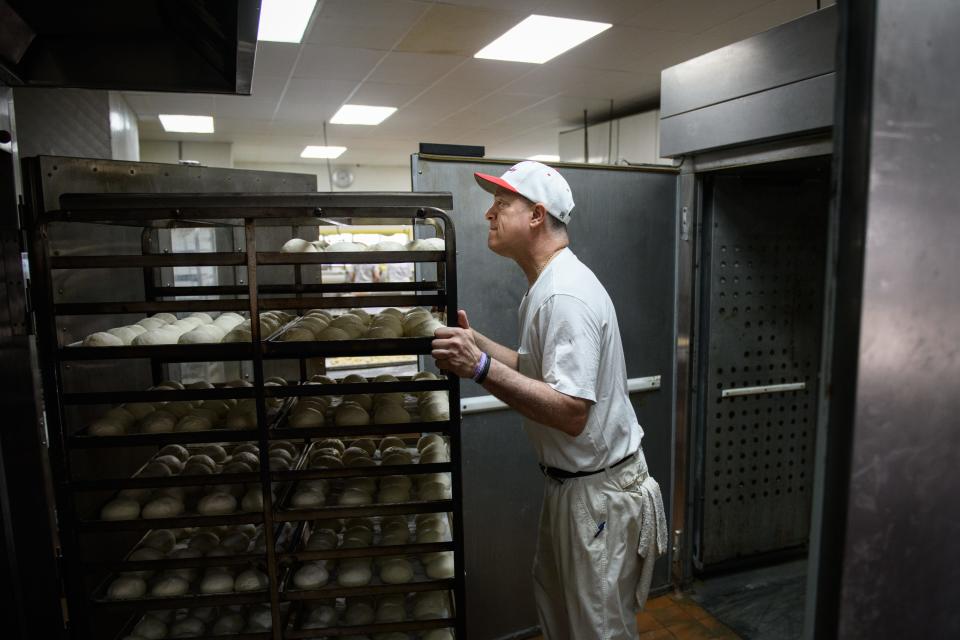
400,454
331,443
103,427
298,334
217,504
311,576
427,244
125,334
121,415
388,245
438,634
240,418
354,496
391,610
120,509
162,507
428,439
170,585
320,617
354,572
203,317
440,567
298,245
216,580
162,540
201,335
251,580
156,337
188,627
322,540
306,417
228,320
350,414
393,495
203,541
213,452
334,334
382,333
171,462
175,450
229,623
346,246
431,605
102,339
150,627
259,619
433,491
165,317
368,445
252,500
396,571
151,324
160,421
239,334
314,324
202,459
308,499
391,441
193,423
127,588
358,612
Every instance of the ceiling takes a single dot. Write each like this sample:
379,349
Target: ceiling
417,55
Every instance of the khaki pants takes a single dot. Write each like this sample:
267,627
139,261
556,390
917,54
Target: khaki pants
591,582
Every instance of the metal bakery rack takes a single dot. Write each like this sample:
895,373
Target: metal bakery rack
79,381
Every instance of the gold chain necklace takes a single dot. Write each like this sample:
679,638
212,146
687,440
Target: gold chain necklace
543,266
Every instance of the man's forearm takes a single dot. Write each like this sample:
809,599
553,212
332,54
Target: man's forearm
496,351
536,400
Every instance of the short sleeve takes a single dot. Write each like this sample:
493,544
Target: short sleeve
571,339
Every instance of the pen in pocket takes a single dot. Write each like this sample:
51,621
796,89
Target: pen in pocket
600,529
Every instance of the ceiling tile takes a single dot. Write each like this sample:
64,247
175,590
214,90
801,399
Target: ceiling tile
275,58
336,63
265,86
177,103
414,68
385,94
491,109
521,6
458,30
369,24
485,74
245,107
743,26
612,11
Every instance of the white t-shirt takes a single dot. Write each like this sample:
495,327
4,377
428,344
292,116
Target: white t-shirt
570,339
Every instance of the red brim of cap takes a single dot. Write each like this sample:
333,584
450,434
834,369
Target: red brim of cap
490,183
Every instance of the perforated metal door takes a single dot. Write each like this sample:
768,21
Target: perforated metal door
766,247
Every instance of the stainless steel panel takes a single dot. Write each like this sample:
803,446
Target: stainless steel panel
793,109
901,560
63,122
800,49
624,227
763,305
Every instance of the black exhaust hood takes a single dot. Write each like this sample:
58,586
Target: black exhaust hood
202,46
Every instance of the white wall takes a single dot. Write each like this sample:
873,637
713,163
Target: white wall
124,129
366,177
633,139
208,154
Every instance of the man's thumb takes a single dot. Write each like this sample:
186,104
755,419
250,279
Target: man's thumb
462,319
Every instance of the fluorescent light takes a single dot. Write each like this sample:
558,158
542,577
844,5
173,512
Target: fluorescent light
545,157
540,38
186,124
315,151
284,20
361,114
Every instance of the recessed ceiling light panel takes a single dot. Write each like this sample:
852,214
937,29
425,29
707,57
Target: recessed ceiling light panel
318,151
538,39
186,124
284,20
361,114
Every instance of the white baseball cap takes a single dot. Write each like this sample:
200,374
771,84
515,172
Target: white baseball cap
536,182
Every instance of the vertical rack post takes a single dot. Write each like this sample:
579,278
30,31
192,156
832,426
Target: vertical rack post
263,436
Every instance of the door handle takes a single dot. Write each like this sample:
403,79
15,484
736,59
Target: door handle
759,390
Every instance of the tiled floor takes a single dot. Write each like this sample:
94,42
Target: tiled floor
671,618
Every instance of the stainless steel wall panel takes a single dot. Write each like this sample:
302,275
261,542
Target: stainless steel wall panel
900,562
624,227
798,50
793,109
63,122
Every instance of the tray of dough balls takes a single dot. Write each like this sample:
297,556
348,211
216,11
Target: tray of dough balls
232,622
225,563
197,491
357,324
425,615
158,420
166,329
436,245
406,410
360,556
355,459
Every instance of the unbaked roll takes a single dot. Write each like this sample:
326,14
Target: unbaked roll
298,245
308,499
427,439
120,509
427,244
160,421
354,572
333,334
251,580
160,539
437,634
127,588
311,576
188,627
162,507
203,541
216,504
237,542
150,627
102,339
306,417
430,605
440,567
358,613
391,609
320,617
259,619
229,623
252,500
396,571
104,427
346,246
156,337
204,317
126,334
216,580
177,451
393,495
170,585
350,414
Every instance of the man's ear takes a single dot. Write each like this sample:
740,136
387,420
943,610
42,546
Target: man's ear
538,215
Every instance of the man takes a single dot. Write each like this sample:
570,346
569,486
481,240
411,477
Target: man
601,524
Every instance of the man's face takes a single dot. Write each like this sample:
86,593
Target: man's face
509,219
